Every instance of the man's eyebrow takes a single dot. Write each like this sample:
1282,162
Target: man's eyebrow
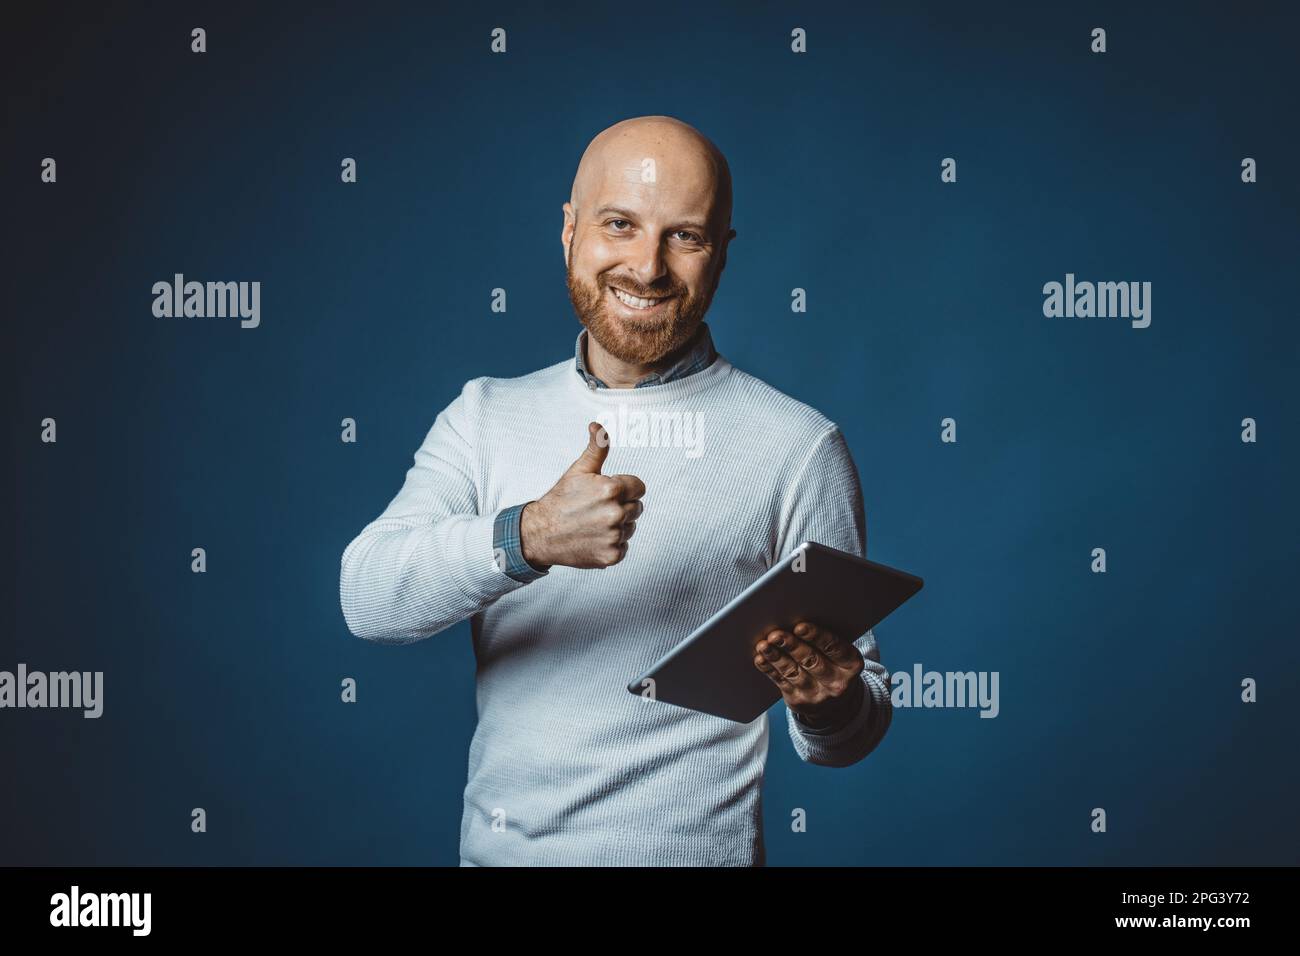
627,214
606,210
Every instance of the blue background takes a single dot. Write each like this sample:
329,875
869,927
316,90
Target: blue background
1119,690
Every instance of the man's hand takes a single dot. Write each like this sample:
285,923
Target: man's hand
586,519
814,669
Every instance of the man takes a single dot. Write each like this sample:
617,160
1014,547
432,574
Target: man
506,519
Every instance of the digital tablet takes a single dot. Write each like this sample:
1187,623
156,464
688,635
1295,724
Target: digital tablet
713,670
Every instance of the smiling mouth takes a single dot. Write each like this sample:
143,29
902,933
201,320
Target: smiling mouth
639,303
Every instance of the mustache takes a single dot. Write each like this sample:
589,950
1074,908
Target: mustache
635,288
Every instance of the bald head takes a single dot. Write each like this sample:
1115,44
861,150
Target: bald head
658,151
645,238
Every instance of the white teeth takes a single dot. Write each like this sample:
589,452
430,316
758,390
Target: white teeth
633,301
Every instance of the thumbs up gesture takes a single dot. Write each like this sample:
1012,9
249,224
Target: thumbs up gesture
584,521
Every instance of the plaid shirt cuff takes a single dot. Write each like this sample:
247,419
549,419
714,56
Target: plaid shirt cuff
507,548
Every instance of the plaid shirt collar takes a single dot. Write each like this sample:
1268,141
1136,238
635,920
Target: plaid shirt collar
698,356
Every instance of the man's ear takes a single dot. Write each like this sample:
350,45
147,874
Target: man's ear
566,233
722,259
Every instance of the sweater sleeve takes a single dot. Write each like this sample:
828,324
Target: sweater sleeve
824,504
428,561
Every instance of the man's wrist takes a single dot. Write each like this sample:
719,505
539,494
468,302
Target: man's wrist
529,534
506,551
838,713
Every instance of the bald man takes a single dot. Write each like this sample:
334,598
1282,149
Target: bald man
519,510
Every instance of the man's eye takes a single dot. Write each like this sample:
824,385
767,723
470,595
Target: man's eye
612,221
690,236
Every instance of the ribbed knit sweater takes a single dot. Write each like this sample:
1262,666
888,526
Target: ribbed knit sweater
566,767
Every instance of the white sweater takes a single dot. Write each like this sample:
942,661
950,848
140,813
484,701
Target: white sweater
566,766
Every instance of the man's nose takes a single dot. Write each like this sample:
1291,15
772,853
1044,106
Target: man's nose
646,260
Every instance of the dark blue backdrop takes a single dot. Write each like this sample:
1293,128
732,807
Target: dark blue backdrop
1118,690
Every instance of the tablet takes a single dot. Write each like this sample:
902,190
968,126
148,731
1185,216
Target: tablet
713,670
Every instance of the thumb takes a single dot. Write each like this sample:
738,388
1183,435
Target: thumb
593,456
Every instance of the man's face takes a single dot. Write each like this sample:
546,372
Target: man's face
654,243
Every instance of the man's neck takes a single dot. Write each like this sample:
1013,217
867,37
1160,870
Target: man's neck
616,373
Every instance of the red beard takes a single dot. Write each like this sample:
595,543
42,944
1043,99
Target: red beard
643,342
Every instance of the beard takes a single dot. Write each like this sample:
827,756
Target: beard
639,341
